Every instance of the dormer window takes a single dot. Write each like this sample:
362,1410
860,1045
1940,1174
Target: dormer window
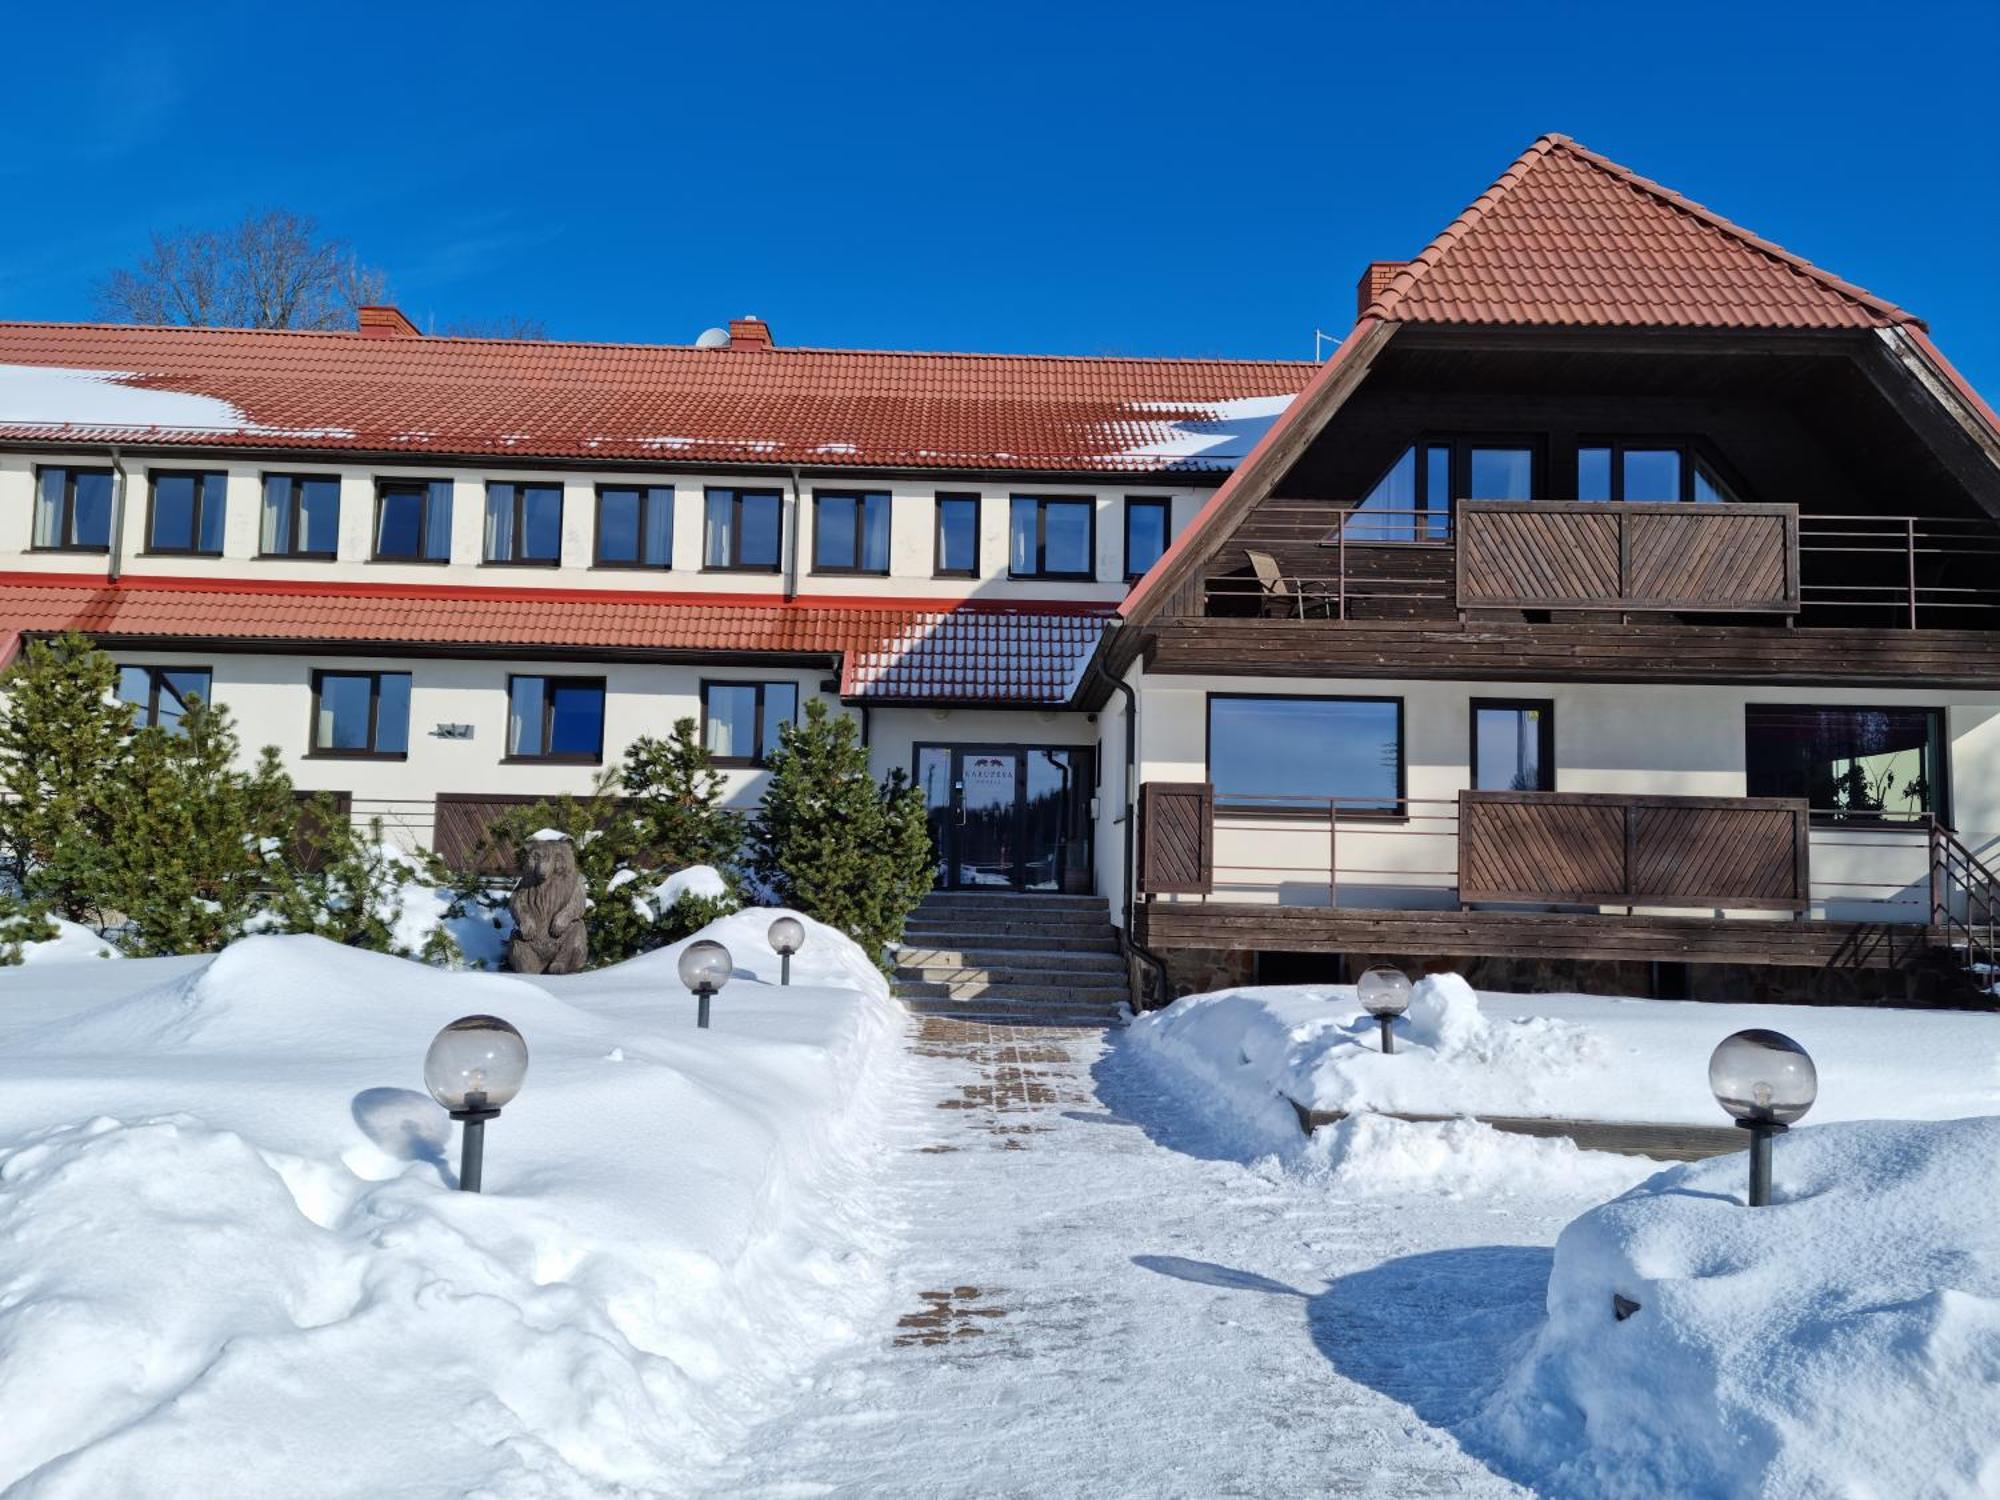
1412,501
1646,469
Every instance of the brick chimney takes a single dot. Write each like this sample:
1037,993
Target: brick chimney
384,323
1374,282
749,333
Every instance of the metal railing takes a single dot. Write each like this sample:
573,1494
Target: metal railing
1908,567
1965,907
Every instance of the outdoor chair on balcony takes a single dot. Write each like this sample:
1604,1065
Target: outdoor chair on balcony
1293,598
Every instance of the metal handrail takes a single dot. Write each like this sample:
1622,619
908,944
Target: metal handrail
1973,934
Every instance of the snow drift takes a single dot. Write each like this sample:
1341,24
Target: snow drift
1845,1341
235,1261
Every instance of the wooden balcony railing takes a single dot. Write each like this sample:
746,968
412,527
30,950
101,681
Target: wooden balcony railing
1548,554
1613,850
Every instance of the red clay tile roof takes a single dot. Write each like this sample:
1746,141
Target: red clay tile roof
812,407
910,650
1567,237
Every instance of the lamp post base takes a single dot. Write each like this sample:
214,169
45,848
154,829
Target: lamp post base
1761,1134
1387,1023
784,968
702,997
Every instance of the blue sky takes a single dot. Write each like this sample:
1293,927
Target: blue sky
1163,179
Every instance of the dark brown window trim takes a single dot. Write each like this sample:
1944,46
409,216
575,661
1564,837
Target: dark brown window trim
646,493
757,761
1942,797
1399,814
975,500
566,757
200,476
314,751
1041,571
264,479
1165,506
66,525
520,530
422,488
1692,451
1546,736
860,499
737,497
147,714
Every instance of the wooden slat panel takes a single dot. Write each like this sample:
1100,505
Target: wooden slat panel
309,836
1604,849
1176,838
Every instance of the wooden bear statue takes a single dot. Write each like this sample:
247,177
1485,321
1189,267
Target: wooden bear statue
550,934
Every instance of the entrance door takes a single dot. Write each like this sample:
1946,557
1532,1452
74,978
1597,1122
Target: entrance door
1008,817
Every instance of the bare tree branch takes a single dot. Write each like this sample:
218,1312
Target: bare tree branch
506,326
272,270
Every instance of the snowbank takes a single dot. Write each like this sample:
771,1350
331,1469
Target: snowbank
235,1263
72,941
1562,1056
1845,1341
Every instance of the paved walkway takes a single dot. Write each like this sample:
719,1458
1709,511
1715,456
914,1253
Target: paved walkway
1100,1298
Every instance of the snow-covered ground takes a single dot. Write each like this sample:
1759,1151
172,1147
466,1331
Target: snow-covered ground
1585,1057
234,1263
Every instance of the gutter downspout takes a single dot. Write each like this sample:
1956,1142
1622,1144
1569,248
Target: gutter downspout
792,543
117,563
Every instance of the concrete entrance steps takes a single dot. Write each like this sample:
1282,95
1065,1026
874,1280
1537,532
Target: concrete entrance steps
1016,959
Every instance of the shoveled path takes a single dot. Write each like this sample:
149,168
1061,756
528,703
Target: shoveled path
1103,1297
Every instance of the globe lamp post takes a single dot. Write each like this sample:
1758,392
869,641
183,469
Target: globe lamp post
1765,1081
1385,994
474,1067
705,968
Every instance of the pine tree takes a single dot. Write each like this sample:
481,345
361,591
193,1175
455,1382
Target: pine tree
352,890
832,843
188,864
672,788
63,747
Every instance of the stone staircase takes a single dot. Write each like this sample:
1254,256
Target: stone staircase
1012,959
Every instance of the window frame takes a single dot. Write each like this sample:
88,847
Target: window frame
293,502
647,494
860,499
314,751
147,715
520,530
1399,814
422,488
66,526
737,494
1042,572
1939,713
200,512
1692,452
938,503
565,757
1427,511
761,684
1545,737
1165,506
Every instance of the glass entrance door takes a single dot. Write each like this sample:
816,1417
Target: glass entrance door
988,786
1008,817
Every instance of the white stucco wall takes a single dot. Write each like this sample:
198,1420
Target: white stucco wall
1652,738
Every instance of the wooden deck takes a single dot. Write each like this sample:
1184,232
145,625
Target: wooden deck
1169,925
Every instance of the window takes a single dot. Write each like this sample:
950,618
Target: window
635,526
555,718
1513,745
1850,764
1412,501
1646,470
73,510
850,532
1296,753
185,513
301,515
957,536
1146,528
359,714
1499,473
524,524
1052,538
742,530
161,694
740,720
413,520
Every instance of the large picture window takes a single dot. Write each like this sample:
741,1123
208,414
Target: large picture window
185,513
555,718
740,720
524,524
1052,537
73,510
742,531
1850,764
1285,753
301,516
850,532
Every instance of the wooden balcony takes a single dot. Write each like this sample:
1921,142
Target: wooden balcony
1737,559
